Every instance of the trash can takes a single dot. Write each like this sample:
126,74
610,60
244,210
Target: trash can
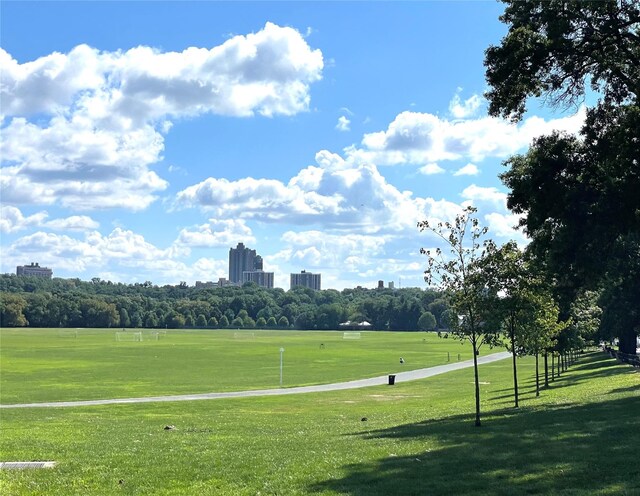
392,380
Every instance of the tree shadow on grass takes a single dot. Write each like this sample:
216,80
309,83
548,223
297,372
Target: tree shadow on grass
590,366
505,399
579,450
567,379
596,360
571,449
629,389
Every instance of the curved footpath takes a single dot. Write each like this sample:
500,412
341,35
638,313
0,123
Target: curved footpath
410,375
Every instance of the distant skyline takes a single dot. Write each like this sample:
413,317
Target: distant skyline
140,141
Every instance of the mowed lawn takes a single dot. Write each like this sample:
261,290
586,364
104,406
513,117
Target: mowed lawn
580,437
39,365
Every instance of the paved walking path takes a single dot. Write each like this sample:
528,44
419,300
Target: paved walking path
410,375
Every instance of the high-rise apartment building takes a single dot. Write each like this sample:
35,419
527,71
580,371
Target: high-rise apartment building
34,270
306,279
260,277
257,263
242,259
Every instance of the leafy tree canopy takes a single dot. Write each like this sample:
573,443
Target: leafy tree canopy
557,49
578,195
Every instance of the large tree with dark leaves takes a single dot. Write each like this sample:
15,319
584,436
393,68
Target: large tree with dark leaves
579,196
557,49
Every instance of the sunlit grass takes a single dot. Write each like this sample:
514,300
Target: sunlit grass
418,438
39,365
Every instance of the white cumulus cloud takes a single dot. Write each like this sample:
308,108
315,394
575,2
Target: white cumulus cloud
463,109
73,223
83,129
431,169
267,72
335,194
323,251
415,138
505,226
124,254
13,220
485,194
343,124
467,170
216,233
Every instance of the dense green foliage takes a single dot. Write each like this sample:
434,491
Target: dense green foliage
578,195
523,308
58,302
556,48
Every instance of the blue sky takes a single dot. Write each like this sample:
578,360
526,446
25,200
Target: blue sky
141,140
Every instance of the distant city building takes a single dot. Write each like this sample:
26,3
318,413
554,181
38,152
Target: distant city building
380,284
242,259
260,277
224,282
307,280
257,263
34,270
205,285
392,285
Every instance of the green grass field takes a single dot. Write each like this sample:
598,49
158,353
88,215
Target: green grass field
580,437
49,364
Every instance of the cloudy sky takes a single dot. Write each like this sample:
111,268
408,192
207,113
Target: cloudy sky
141,140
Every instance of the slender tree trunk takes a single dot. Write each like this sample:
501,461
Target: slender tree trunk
515,372
560,369
476,377
553,366
537,377
546,369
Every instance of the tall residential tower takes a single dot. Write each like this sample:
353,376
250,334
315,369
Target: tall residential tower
306,279
242,259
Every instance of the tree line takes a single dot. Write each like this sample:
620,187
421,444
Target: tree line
577,196
37,302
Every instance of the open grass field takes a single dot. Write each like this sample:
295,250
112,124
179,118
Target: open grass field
39,365
580,437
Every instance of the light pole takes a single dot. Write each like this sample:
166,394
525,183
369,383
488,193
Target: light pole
281,352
